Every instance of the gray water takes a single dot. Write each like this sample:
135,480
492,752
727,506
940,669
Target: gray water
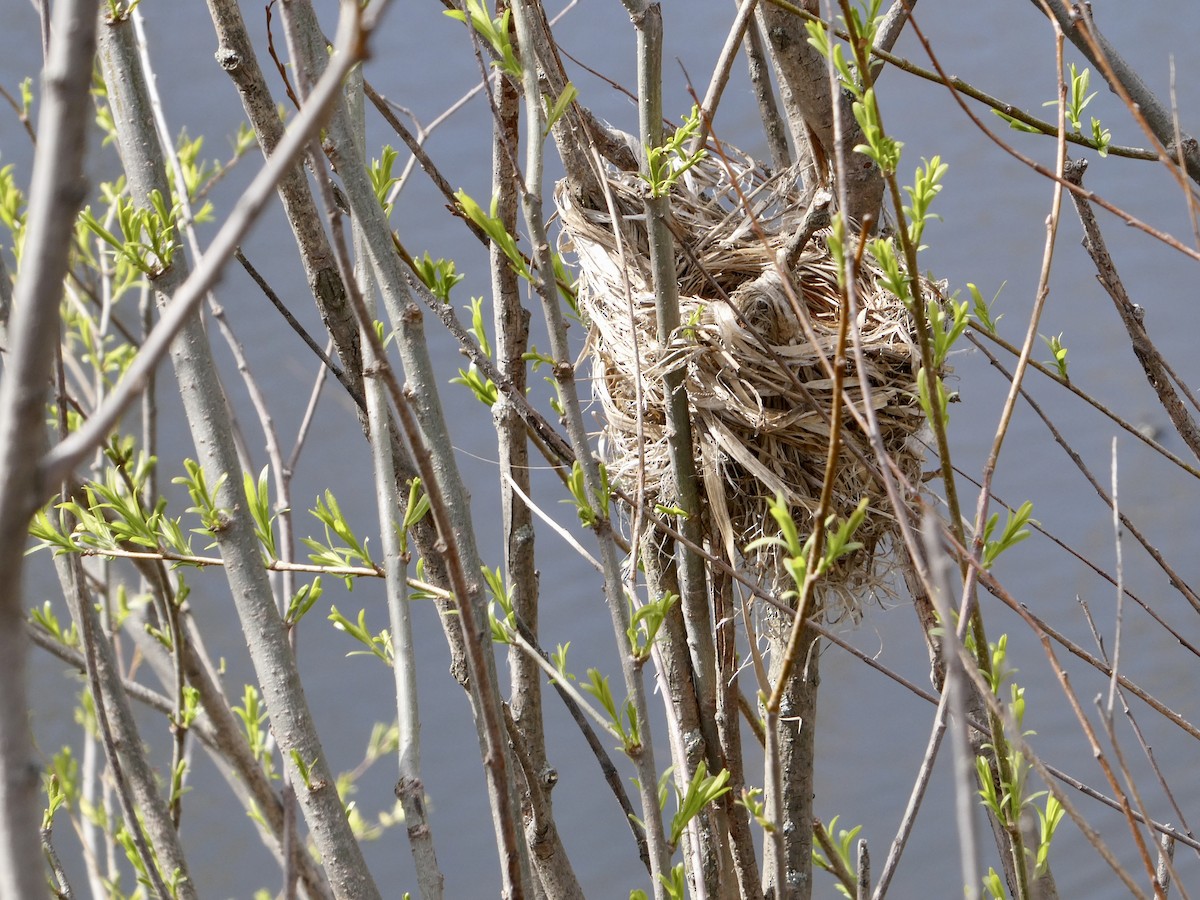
871,732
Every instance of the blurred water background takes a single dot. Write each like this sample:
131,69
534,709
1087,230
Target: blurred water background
871,733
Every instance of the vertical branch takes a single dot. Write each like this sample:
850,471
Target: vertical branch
454,521
55,196
696,715
774,126
693,589
208,418
956,693
810,100
676,678
511,322
641,754
741,839
410,788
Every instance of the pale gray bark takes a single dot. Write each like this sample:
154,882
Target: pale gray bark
693,582
642,755
55,197
307,47
223,736
391,506
410,787
134,778
5,304
236,56
677,686
208,419
511,320
793,781
68,454
774,126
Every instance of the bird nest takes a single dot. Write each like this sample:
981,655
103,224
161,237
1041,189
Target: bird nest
755,353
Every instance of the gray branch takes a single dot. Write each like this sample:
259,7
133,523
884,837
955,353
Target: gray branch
307,46
208,418
1132,316
56,193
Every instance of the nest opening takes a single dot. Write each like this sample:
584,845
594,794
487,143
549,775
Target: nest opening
759,396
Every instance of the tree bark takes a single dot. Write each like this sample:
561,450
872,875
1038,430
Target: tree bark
55,197
208,418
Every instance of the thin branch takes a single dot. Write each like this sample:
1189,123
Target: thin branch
63,458
1132,316
353,389
642,755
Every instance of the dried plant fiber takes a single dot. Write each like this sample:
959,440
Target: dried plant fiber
759,395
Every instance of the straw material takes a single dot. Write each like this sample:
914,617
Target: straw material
759,395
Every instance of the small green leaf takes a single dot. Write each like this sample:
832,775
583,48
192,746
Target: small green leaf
565,99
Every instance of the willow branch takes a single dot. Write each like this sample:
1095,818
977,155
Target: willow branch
57,191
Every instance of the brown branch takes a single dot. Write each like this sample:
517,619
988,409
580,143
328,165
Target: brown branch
1132,317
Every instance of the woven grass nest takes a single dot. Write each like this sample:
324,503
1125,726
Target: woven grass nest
755,434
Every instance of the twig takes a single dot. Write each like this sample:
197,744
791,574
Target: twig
693,588
973,336
863,884
410,787
351,388
427,164
1115,662
1018,742
1108,724
235,54
642,755
1176,580
310,411
1131,817
1133,723
720,75
209,420
1145,107
21,115
1131,317
1166,854
577,706
1058,178
774,126
840,872
59,462
61,884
